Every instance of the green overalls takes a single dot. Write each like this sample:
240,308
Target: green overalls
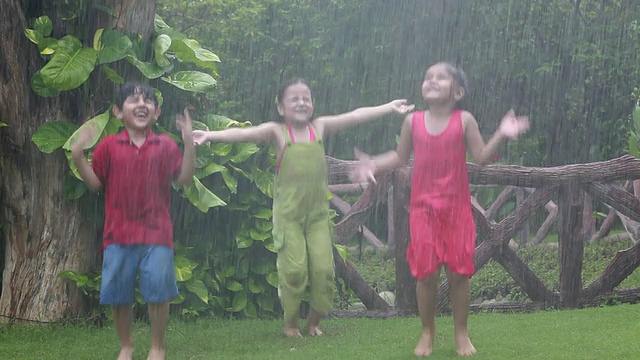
302,230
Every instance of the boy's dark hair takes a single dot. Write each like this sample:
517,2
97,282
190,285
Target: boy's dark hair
132,88
284,86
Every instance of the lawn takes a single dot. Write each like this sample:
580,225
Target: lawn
596,333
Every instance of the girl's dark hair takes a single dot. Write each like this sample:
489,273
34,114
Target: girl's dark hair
131,88
284,86
458,75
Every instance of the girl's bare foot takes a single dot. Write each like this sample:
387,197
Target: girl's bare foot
465,347
425,344
292,332
314,331
126,353
156,354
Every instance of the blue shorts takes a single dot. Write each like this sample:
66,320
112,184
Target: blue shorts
122,264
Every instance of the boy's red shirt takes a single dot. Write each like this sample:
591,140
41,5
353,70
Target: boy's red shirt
137,185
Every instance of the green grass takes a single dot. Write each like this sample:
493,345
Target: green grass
596,333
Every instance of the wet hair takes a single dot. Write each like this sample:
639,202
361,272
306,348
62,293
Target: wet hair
458,75
131,88
285,85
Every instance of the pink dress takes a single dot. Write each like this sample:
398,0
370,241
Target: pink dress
440,220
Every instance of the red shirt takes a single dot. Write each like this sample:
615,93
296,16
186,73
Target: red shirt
137,184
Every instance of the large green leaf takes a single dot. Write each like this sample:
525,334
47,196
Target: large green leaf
209,169
245,150
70,65
34,36
151,71
250,310
243,241
112,74
239,302
230,181
96,125
263,213
195,81
233,286
266,302
159,24
183,268
634,148
264,181
160,46
52,135
255,287
189,50
201,197
112,46
74,188
40,88
44,25
636,119
197,287
3,124
272,279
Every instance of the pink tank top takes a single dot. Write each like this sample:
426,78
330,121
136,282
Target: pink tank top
440,179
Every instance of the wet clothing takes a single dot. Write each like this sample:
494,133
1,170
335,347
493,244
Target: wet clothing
137,185
302,230
441,222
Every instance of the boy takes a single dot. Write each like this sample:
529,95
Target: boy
136,168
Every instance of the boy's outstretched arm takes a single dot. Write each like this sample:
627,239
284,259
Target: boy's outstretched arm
187,169
263,133
328,124
87,173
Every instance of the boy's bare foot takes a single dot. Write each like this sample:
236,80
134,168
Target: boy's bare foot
315,331
126,353
425,344
465,347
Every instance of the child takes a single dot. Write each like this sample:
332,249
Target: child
136,168
441,223
301,224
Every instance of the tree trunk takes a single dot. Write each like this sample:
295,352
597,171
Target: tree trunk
44,233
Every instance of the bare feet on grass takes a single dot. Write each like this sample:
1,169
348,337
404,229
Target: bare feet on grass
465,347
126,353
425,344
156,354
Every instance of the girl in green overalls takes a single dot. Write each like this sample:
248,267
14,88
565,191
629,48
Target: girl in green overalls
301,224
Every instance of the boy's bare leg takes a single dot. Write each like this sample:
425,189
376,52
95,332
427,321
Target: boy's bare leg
313,323
122,315
159,315
460,299
427,296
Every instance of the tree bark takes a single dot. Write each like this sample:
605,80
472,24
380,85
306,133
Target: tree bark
44,233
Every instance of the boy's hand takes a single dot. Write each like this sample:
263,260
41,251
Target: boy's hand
401,107
183,122
200,137
88,132
512,125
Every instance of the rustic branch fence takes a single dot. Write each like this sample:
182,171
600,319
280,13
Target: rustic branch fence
574,186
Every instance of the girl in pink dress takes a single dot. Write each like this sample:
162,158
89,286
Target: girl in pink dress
441,224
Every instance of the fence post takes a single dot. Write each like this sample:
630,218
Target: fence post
571,243
405,283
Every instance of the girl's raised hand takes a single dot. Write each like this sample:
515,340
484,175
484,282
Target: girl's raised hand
363,172
401,106
199,137
512,125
